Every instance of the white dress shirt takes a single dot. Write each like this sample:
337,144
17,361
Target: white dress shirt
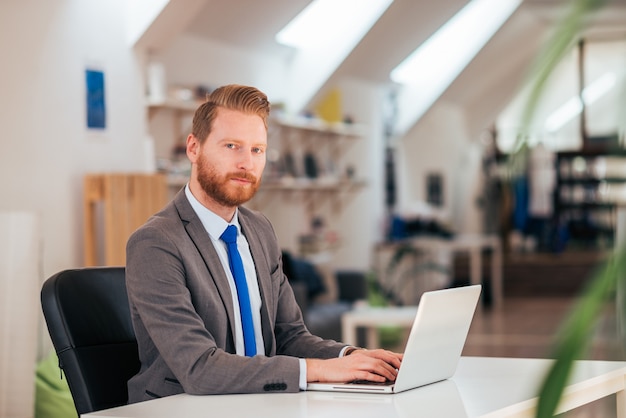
215,226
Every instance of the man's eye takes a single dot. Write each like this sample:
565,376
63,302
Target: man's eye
257,150
231,146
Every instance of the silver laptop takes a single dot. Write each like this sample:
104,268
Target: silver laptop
434,346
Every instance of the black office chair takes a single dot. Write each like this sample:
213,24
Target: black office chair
88,319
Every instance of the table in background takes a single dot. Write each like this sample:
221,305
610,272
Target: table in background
473,244
481,387
371,318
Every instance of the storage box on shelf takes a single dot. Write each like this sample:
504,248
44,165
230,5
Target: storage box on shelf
311,149
309,155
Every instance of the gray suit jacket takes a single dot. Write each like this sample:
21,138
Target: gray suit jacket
182,311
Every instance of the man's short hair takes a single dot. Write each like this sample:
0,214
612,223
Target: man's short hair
237,97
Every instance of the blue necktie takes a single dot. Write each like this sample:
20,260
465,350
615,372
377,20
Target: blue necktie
236,267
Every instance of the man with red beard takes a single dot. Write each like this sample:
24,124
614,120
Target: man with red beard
196,331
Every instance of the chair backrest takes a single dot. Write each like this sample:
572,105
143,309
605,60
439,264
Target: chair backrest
88,318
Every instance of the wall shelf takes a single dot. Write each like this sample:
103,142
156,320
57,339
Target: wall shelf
313,125
308,166
311,185
180,106
589,186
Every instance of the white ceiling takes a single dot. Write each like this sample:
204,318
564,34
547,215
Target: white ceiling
247,24
491,78
252,24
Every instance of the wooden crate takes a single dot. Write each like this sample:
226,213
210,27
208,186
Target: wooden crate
115,205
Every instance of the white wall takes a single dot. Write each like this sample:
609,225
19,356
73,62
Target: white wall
363,211
45,148
440,143
193,61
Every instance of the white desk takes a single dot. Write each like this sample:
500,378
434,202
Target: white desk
481,387
473,244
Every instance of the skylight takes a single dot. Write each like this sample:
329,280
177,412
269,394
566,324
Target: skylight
324,21
442,56
430,69
574,106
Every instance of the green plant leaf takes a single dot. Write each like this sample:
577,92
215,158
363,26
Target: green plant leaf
561,41
575,334
574,337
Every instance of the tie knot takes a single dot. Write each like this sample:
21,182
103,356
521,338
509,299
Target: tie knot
229,236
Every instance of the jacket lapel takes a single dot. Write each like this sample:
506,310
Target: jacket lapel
203,243
263,278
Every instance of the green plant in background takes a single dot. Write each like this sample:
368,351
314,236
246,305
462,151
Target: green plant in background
403,272
575,334
376,296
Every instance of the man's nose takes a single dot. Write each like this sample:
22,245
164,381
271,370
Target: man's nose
245,160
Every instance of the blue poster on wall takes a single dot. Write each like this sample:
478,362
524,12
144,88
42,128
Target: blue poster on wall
96,106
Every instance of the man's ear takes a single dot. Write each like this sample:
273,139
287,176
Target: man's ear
193,148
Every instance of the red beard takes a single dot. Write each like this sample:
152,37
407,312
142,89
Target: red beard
221,189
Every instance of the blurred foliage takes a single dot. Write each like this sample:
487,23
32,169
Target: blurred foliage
390,337
376,296
576,333
564,37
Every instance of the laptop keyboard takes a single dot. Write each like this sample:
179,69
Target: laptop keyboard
369,382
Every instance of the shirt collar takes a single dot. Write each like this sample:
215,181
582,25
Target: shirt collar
213,223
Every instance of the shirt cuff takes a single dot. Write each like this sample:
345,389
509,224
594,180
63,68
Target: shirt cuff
348,350
302,374
303,366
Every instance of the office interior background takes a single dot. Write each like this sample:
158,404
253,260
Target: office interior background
447,145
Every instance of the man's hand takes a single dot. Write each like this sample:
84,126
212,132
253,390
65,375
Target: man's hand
374,365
